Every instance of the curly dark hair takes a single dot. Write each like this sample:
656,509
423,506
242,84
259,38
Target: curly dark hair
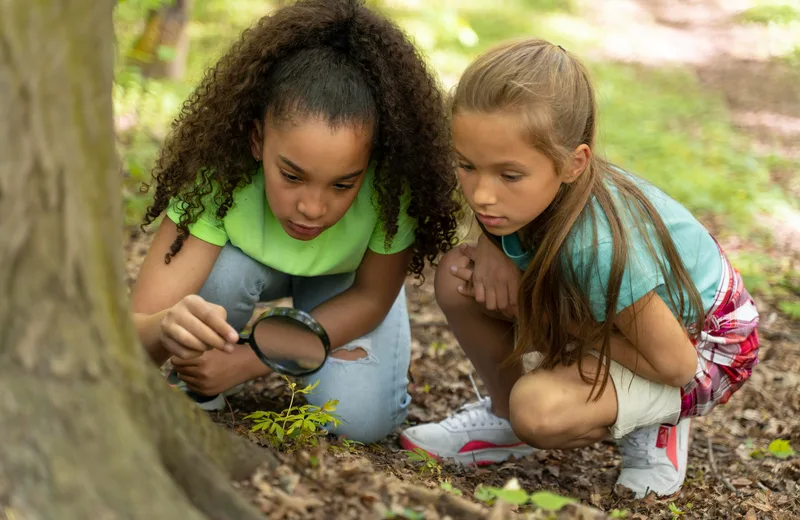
330,58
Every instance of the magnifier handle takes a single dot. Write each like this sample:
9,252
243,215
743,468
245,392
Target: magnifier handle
244,339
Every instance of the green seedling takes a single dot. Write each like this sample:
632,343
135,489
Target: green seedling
429,464
297,427
448,486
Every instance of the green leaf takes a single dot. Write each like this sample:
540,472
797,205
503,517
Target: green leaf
416,457
517,497
550,501
485,494
330,405
447,486
675,510
781,448
619,513
297,424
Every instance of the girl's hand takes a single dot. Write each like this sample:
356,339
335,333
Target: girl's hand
493,279
192,326
213,372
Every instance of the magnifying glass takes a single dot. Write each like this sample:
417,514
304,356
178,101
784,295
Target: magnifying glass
289,341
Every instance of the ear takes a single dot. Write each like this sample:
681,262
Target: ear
580,161
257,140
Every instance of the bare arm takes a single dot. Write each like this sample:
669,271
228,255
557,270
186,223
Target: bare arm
362,307
654,343
160,287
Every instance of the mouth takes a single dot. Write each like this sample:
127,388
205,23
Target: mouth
490,220
304,232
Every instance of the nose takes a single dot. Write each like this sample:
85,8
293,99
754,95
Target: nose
483,193
312,206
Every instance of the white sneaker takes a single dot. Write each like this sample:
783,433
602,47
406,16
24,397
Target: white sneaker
654,459
472,435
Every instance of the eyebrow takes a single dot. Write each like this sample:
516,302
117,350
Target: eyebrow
503,164
298,169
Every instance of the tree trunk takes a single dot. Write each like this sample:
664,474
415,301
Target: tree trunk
88,428
162,49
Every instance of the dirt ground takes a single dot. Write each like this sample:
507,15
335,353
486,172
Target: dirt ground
737,481
731,471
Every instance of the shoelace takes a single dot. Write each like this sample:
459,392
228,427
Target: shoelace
478,413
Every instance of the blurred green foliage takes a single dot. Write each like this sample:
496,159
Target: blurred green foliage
659,123
778,12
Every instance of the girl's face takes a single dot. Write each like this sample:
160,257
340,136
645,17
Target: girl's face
312,172
506,181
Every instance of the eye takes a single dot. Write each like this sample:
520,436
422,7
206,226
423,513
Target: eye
466,167
290,176
343,187
511,177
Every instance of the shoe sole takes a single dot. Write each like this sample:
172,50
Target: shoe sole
483,457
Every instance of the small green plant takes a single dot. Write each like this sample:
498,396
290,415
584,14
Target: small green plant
544,500
297,426
429,463
619,513
675,510
781,449
348,446
448,486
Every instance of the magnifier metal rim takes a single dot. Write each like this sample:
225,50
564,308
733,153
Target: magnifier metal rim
301,316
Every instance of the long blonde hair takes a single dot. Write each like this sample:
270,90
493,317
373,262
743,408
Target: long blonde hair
551,91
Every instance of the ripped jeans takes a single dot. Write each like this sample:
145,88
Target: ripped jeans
372,391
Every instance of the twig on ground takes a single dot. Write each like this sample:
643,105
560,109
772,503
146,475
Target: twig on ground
714,469
762,486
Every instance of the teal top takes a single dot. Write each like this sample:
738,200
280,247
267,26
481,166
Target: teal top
696,246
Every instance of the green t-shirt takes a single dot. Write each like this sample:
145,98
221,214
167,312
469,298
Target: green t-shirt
251,226
697,248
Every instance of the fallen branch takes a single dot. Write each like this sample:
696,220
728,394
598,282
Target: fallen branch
715,471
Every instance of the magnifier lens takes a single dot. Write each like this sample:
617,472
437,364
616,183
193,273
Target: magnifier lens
290,345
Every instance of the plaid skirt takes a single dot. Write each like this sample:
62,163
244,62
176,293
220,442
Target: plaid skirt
727,347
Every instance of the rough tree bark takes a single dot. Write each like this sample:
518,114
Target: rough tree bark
88,429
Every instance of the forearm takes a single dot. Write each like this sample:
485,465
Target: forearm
624,353
353,314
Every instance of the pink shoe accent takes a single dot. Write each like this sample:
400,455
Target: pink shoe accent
482,445
668,438
410,446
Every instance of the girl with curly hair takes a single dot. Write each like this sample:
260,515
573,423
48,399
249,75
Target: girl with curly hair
312,161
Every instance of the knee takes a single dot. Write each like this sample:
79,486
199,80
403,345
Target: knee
446,283
535,411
